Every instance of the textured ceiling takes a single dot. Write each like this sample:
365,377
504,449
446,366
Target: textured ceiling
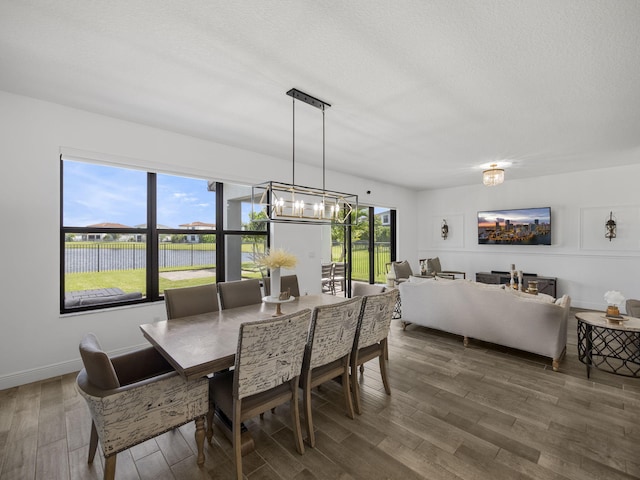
424,93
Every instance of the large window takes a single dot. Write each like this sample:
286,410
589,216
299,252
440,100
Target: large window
127,235
366,247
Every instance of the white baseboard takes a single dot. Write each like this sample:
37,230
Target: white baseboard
54,370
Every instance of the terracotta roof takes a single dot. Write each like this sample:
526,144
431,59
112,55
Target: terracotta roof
108,225
198,224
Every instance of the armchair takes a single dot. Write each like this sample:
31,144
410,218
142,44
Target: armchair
134,397
633,308
402,271
435,269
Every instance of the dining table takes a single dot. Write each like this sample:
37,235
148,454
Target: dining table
200,345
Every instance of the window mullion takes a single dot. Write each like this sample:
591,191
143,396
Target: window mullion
153,273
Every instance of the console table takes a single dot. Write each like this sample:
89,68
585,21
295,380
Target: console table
612,346
546,285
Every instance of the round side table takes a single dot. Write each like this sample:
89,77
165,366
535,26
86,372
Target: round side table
609,345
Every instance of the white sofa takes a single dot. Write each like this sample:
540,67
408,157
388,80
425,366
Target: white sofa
492,313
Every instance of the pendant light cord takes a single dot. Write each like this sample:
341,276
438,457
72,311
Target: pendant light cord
293,153
323,143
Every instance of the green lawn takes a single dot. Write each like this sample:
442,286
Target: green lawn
360,268
134,280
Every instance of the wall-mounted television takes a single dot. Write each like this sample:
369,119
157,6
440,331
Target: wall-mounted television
523,226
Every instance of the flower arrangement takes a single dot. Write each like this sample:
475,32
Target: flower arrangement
613,297
277,258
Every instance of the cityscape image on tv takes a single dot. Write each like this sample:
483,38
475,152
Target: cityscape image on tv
528,226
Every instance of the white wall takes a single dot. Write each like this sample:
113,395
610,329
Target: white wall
585,263
37,342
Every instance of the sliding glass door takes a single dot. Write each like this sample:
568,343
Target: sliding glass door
372,244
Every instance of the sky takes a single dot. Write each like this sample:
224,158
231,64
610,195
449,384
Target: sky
525,215
97,194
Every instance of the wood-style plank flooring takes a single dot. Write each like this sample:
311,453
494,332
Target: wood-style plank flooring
482,412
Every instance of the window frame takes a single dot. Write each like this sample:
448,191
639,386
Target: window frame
150,232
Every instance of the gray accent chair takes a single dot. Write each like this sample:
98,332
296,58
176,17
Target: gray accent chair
633,308
402,271
327,353
435,269
371,338
188,301
286,282
239,293
266,375
134,397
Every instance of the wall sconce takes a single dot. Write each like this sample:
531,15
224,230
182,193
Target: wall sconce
610,227
444,230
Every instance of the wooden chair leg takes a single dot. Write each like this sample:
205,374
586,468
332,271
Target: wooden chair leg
383,373
110,467
347,389
355,388
273,411
200,434
237,438
383,365
306,393
93,442
210,415
295,417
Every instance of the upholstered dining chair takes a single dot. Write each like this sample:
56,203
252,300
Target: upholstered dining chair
239,293
286,282
266,374
371,338
327,276
360,289
333,328
339,276
134,397
187,301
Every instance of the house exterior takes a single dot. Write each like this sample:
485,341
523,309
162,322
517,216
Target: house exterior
193,237
104,236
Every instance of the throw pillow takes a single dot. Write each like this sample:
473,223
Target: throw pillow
433,266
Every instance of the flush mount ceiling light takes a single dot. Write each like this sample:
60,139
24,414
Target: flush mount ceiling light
493,176
291,203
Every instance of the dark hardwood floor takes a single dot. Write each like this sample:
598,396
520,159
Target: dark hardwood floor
482,412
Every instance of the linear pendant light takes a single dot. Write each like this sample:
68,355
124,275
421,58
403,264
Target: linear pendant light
290,203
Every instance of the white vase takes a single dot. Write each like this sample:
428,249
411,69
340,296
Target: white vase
275,283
